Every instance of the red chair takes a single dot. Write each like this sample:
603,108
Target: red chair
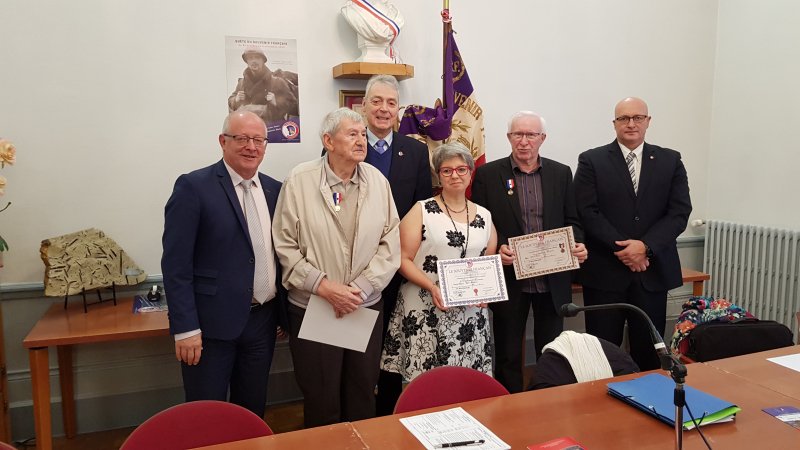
196,424
4,446
446,385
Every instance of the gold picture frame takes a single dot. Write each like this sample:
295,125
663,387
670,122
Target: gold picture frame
353,100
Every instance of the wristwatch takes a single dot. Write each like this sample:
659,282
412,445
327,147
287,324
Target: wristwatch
648,251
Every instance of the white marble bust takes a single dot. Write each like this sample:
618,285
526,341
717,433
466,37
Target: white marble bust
377,23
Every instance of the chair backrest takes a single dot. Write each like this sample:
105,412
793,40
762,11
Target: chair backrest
4,446
552,369
196,424
446,385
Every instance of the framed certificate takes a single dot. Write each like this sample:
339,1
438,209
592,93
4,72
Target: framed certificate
544,252
470,281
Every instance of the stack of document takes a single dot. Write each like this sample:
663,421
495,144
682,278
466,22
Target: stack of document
653,394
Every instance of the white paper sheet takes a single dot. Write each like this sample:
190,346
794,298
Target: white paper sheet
451,425
790,361
352,331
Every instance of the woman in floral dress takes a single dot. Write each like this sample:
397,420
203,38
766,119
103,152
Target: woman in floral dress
423,334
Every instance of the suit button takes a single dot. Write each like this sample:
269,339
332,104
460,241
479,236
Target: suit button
250,290
636,218
252,260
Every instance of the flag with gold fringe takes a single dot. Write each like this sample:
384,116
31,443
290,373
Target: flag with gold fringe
458,118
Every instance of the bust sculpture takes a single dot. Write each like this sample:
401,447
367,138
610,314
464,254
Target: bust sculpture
377,23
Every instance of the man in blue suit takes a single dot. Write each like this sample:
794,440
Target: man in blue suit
404,161
220,271
633,201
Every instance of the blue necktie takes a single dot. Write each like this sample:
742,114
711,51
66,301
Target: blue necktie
381,146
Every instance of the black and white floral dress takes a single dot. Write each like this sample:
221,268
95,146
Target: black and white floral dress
420,336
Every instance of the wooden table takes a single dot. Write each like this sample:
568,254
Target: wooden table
339,436
757,370
695,277
583,411
64,328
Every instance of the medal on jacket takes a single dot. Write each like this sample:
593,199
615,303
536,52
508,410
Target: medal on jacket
510,186
337,199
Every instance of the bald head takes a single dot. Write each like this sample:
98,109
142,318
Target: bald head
631,120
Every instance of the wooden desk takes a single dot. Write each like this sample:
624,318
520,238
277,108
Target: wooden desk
695,277
339,436
583,411
64,328
757,370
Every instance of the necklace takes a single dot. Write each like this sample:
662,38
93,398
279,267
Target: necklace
465,244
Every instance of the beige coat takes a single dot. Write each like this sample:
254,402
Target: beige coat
310,242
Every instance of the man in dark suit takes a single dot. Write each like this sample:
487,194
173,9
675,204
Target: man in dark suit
220,271
633,200
526,194
405,162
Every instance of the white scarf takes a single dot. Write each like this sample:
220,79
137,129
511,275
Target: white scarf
584,353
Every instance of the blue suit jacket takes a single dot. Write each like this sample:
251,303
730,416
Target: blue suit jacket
611,211
208,261
410,174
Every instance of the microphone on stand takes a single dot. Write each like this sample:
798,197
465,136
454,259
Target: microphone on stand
668,362
664,357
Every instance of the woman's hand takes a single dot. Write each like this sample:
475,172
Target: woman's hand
437,298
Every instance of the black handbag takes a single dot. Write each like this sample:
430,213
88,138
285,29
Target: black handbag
715,340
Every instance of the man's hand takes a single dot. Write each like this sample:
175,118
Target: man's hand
633,255
506,255
580,252
344,299
188,350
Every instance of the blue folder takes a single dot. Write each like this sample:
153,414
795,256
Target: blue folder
653,394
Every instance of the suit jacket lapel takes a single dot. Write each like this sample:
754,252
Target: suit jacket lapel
648,166
230,191
548,194
506,173
621,167
271,197
398,160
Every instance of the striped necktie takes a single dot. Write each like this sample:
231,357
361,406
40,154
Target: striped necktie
631,161
260,278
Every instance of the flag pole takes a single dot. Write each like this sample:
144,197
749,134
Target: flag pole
446,28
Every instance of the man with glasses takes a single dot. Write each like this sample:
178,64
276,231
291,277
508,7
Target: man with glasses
405,163
527,193
220,272
633,201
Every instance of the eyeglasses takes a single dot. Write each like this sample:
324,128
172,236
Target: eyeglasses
448,171
243,140
626,119
518,135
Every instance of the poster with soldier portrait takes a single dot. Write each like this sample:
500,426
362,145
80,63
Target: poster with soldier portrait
262,78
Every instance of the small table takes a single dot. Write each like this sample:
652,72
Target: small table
689,276
64,328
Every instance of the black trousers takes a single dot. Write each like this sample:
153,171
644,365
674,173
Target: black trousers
609,324
390,384
240,365
508,323
338,384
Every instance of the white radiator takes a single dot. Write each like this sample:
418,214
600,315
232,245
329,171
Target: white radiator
755,268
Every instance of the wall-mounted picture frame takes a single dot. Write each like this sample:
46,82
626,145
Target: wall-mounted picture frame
353,100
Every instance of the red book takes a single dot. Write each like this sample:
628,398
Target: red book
562,443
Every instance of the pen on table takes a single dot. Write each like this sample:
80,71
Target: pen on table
459,444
